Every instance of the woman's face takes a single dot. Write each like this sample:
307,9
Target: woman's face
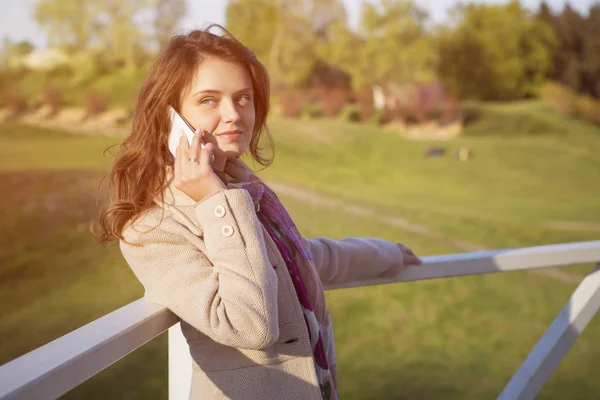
220,101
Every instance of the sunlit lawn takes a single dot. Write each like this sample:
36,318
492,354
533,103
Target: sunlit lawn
455,338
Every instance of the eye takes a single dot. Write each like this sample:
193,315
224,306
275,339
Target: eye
207,101
245,99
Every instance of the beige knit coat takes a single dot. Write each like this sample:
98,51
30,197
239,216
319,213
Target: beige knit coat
213,264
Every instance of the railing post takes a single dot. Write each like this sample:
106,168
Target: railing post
556,341
180,365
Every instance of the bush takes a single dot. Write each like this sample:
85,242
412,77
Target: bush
489,120
9,77
450,110
120,87
349,113
332,100
378,117
312,110
15,101
560,97
417,103
61,73
31,85
588,109
95,103
409,117
52,97
470,113
88,66
292,102
365,103
564,100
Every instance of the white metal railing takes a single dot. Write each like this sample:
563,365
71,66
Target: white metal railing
64,363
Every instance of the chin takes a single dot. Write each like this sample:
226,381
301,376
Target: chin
231,151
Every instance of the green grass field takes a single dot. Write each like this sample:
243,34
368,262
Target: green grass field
445,339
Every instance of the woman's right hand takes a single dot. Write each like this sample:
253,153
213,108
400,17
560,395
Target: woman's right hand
197,179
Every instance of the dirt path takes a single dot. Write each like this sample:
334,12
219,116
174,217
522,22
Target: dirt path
316,199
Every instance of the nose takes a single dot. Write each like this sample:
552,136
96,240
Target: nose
229,113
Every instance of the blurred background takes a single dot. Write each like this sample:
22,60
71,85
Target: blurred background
450,127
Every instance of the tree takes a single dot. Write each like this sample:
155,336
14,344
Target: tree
569,27
70,23
22,48
590,65
168,15
576,60
282,33
5,53
545,13
397,47
114,25
119,34
495,52
391,45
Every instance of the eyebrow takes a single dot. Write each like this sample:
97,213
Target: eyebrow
219,92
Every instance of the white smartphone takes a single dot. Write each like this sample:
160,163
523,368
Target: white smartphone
179,127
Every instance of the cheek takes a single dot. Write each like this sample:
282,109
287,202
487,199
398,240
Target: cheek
205,122
249,119
200,119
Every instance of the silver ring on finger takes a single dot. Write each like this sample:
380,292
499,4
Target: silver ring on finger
193,159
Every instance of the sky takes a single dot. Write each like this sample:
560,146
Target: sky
17,24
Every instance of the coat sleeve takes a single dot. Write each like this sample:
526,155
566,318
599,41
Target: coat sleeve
354,259
229,293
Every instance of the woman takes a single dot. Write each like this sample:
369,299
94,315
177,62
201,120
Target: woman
211,242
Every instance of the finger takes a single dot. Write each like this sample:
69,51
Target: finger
237,169
206,155
236,162
179,156
410,259
233,171
185,162
195,148
203,134
235,165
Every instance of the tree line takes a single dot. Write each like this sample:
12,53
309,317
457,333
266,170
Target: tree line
485,52
481,52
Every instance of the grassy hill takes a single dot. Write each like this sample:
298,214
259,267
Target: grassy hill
447,339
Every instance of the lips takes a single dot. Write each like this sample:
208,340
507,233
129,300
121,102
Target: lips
231,134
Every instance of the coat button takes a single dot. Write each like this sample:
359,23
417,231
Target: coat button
227,230
220,211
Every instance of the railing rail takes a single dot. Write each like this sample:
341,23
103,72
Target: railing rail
63,364
59,366
484,262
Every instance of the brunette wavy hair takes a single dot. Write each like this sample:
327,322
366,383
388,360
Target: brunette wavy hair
139,173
